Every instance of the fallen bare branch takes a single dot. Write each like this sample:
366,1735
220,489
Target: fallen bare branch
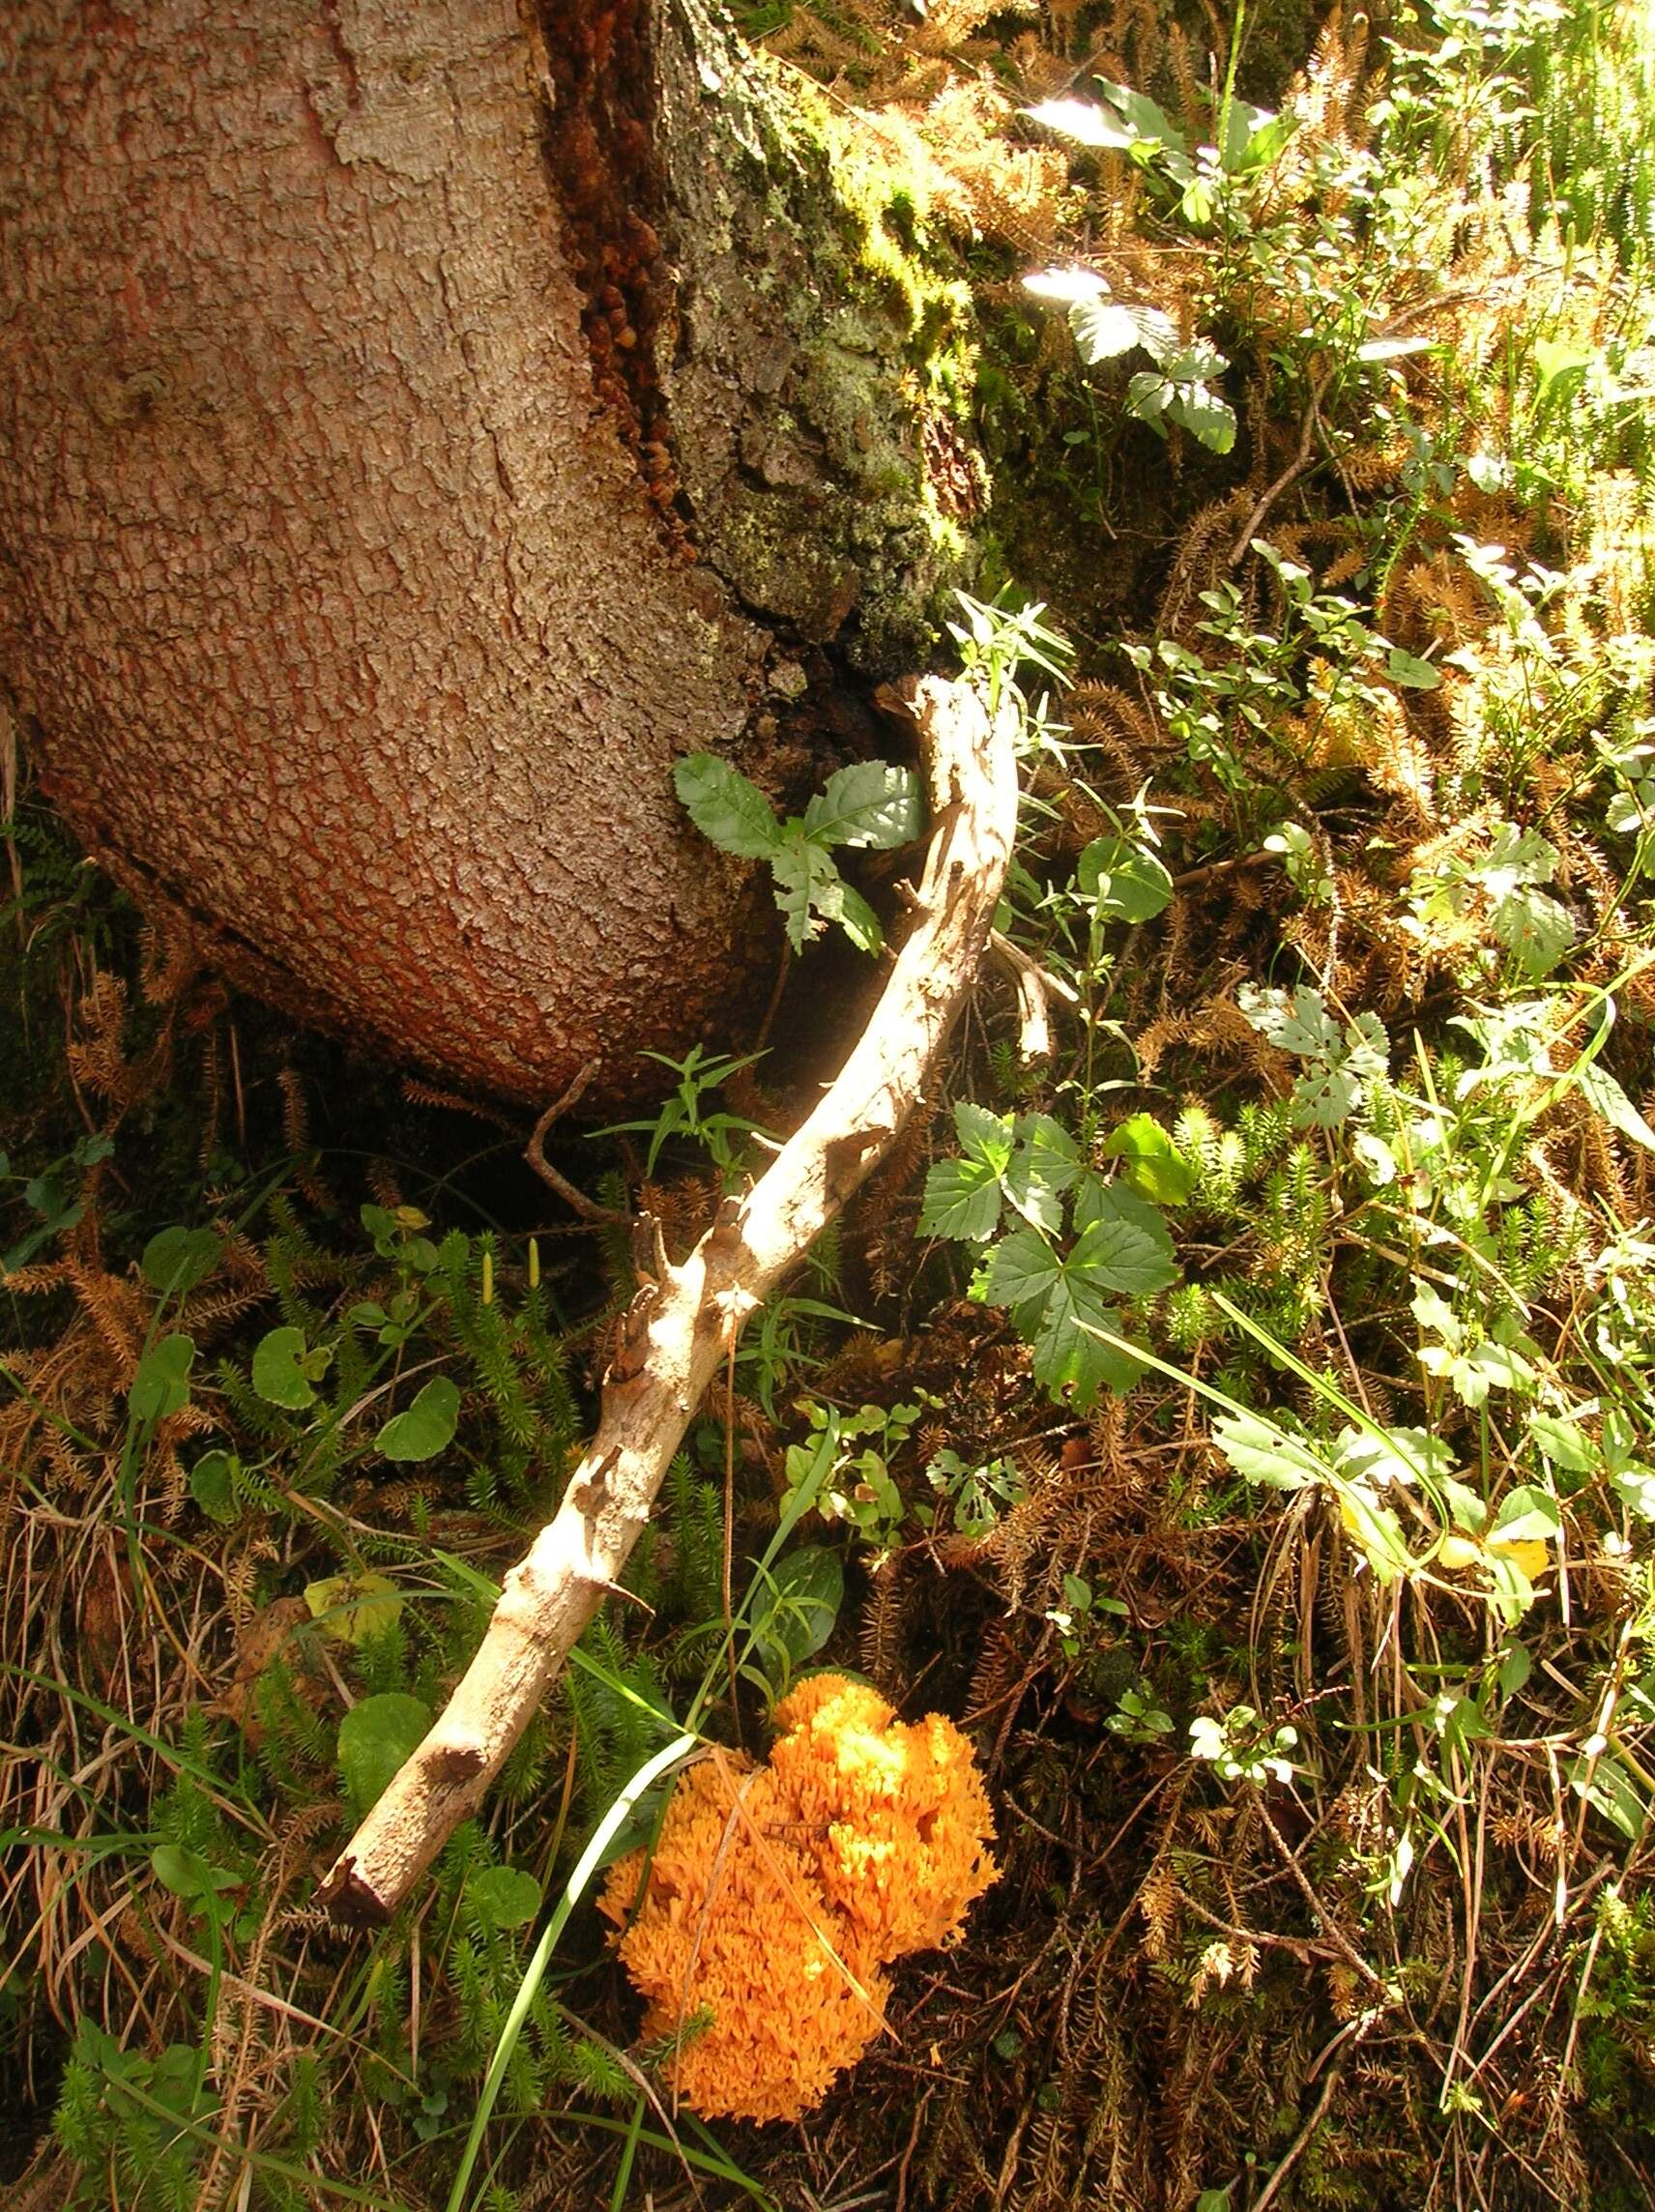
679,1327
1036,990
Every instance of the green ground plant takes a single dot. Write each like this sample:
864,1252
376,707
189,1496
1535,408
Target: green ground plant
1240,1413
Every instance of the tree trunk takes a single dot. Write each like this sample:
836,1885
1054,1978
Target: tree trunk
418,427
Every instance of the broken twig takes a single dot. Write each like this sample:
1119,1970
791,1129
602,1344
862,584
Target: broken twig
535,1153
678,1330
1036,990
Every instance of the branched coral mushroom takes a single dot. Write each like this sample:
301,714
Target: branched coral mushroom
776,1895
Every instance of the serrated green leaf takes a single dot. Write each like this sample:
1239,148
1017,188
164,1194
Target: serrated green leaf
1516,857
726,806
962,1200
1473,1370
1044,1164
375,1738
1067,1358
1432,1310
1147,397
1104,328
1126,1250
1563,1442
870,804
1339,1063
1021,1270
1534,928
805,875
1208,418
833,900
1465,1509
1298,1022
1526,1516
426,1426
855,917
1401,1455
1095,1365
276,1373
984,1135
1053,1300
1261,1452
1635,1487
1323,1097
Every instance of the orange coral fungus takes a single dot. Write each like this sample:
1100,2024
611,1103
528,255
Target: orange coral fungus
775,1895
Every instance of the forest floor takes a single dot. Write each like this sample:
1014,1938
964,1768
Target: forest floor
1231,1407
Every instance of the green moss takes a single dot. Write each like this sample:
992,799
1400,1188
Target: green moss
897,344
898,251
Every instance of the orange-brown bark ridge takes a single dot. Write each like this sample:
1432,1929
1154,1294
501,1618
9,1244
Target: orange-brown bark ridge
417,429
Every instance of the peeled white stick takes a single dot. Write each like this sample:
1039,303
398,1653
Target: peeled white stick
678,1332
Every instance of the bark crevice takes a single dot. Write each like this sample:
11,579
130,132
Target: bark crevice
600,145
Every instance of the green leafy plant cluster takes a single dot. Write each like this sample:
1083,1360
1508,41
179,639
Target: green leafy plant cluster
870,806
1254,1439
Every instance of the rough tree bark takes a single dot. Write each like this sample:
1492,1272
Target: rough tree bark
417,427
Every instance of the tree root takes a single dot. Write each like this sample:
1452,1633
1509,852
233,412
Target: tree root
679,1328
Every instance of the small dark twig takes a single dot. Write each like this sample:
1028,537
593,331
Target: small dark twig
1294,469
534,1151
774,1006
1319,1911
1295,2149
908,2153
1213,868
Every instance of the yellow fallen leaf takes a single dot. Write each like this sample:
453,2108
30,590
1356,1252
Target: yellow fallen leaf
1527,1555
1458,1554
351,1607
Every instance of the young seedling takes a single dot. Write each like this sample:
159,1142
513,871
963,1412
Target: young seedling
872,804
